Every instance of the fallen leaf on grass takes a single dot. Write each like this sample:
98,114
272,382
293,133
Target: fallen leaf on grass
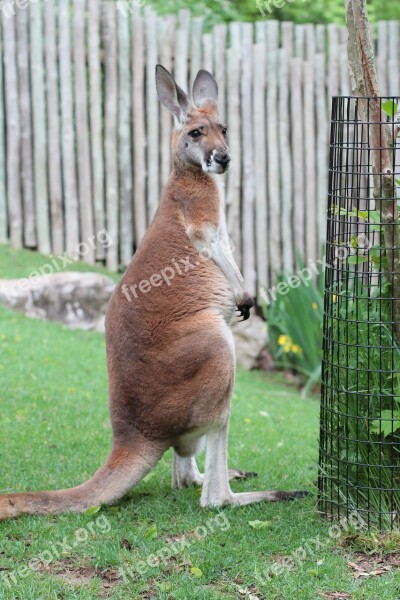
92,511
336,596
370,566
248,593
151,533
259,524
196,571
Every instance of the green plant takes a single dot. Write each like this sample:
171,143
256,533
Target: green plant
295,329
362,380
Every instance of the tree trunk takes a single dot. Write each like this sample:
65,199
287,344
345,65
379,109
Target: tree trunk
365,83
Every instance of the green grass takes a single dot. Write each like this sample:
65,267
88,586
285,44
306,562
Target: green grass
55,432
16,263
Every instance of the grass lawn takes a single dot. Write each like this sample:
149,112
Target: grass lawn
54,432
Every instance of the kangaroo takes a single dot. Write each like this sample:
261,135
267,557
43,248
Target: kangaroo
170,349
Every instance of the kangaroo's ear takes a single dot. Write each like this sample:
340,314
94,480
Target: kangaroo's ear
204,88
171,95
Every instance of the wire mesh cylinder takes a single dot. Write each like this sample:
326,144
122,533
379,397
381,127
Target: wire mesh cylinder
359,463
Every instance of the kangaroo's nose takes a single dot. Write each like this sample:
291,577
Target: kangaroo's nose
223,158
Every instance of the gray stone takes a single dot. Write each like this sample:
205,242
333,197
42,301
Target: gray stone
78,300
250,340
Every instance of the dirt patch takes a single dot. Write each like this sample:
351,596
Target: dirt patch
336,596
373,565
73,574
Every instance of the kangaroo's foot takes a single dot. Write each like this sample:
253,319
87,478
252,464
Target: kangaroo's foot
185,472
216,490
250,498
238,474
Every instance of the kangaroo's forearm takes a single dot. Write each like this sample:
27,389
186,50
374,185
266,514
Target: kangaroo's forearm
209,244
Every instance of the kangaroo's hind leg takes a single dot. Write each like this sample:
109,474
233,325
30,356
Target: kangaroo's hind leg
216,490
185,471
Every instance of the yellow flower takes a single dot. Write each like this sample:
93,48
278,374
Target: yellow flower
296,349
283,340
334,298
314,305
287,347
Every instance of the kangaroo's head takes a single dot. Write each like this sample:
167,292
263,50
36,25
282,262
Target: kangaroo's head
199,139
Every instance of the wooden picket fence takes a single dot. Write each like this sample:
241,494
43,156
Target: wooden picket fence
85,146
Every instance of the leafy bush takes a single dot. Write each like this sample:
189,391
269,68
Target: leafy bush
306,11
362,386
295,330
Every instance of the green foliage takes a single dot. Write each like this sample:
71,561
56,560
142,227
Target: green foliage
295,329
299,11
365,398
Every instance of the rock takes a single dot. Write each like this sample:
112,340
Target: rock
78,300
250,339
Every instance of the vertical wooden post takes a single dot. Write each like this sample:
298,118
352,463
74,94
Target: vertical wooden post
96,120
39,128
219,48
182,49
124,141
208,52
287,29
234,57
152,114
248,231
393,62
260,163
110,129
25,117
53,130
13,132
299,41
274,191
343,69
333,61
310,165
297,130
382,56
322,143
82,133
139,132
196,50
286,163
167,36
3,195
71,214
312,249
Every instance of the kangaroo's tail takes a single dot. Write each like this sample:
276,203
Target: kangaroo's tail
125,467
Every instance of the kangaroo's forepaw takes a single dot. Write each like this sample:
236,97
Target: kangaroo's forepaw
244,307
238,474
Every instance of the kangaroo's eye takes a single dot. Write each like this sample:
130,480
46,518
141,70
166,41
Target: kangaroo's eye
195,133
224,131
